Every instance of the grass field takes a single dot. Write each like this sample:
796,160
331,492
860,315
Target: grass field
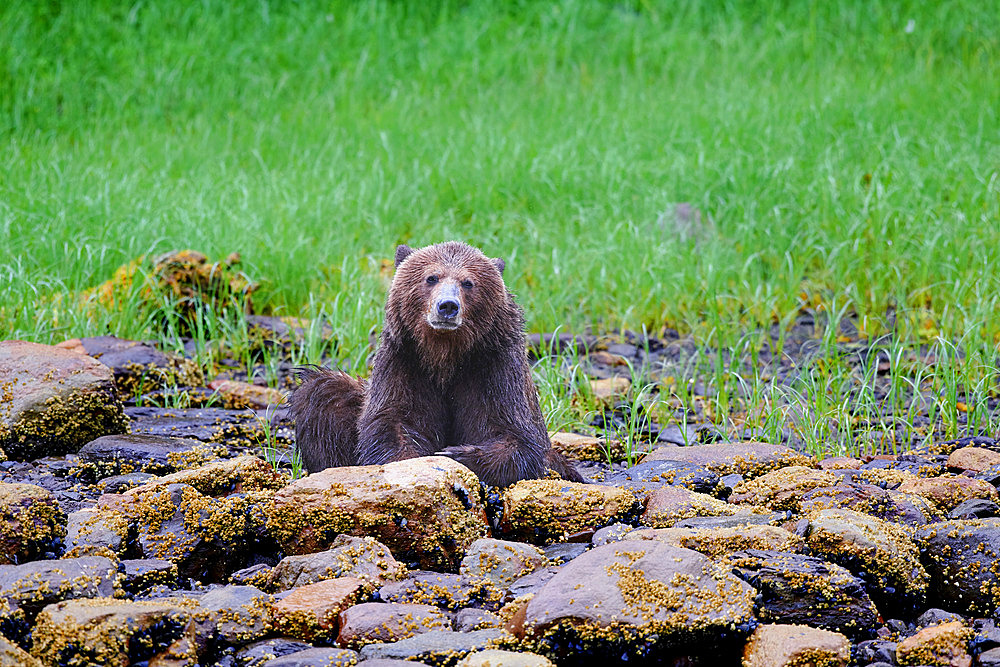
847,154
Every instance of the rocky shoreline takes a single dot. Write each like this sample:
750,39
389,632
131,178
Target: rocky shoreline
135,533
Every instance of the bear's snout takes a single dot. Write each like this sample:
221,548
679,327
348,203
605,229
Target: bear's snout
446,307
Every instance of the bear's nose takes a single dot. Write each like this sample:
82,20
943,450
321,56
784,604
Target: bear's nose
447,309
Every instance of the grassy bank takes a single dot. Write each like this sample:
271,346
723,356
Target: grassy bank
844,156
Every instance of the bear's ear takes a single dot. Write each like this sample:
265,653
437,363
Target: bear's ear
499,263
402,252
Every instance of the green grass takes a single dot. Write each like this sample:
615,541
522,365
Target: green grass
846,161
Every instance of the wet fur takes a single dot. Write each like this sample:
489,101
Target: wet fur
465,393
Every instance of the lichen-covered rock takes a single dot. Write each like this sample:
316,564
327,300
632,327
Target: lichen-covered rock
451,591
53,401
493,565
963,558
782,489
138,366
718,542
115,633
311,612
112,455
426,509
31,523
633,597
219,478
33,585
234,614
946,644
437,647
668,505
749,459
948,491
348,556
372,622
11,655
545,510
794,645
805,590
879,552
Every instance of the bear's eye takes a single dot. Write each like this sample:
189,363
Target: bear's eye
467,284
432,280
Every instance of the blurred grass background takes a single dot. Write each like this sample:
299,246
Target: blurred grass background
844,155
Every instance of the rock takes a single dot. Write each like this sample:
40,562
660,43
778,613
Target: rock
579,447
782,489
451,591
975,508
90,532
470,618
609,534
425,509
141,574
234,428
934,616
840,463
875,651
53,401
31,523
563,552
718,542
498,658
887,505
545,510
651,475
259,653
311,612
314,657
204,536
123,454
115,633
990,658
606,390
881,553
361,557
122,483
243,395
949,491
963,559
531,583
12,656
372,622
978,459
138,366
234,614
945,644
439,647
804,590
793,645
221,478
750,459
33,585
634,597
493,565
668,505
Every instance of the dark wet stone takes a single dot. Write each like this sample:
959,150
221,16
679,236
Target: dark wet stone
990,658
258,653
531,582
128,453
674,434
138,366
122,483
917,465
563,552
315,656
450,591
34,585
205,424
141,574
437,646
650,475
934,616
736,521
975,508
235,614
797,589
875,651
963,559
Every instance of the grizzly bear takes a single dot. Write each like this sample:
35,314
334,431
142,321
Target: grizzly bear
450,377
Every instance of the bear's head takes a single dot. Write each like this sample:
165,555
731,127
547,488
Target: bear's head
449,294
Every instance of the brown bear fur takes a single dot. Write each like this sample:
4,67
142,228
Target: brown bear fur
450,376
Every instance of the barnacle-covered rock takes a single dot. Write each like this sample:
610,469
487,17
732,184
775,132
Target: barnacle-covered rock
425,509
749,459
773,645
782,489
312,612
31,523
53,401
963,558
371,622
546,510
348,556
